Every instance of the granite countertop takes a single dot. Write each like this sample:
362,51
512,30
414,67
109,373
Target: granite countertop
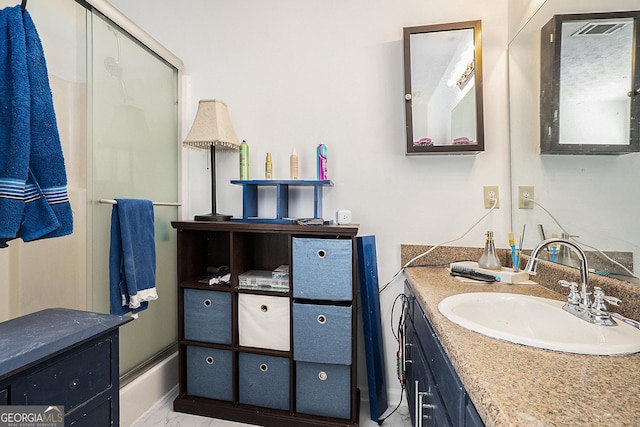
516,385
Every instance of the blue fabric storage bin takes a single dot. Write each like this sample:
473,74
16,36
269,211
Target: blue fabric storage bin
322,269
209,373
263,380
322,333
323,389
207,316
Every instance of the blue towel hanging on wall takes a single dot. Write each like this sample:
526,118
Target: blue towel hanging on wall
132,256
33,183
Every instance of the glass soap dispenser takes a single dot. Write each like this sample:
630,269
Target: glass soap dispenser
489,259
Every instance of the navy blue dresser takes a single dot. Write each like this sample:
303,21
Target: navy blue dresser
63,357
271,352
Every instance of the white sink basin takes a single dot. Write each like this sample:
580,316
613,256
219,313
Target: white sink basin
537,322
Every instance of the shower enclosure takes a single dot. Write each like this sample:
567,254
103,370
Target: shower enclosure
116,95
133,110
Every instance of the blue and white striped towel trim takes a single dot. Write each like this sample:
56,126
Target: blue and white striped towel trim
12,189
16,189
56,195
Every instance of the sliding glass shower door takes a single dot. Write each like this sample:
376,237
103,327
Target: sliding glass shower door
117,110
133,153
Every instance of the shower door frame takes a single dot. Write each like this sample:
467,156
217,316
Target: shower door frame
140,36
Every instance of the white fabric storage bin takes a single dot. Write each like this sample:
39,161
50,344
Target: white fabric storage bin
263,321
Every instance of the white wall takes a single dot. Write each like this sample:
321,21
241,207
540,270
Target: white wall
520,11
299,73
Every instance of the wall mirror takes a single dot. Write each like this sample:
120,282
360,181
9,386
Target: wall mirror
590,91
593,198
443,88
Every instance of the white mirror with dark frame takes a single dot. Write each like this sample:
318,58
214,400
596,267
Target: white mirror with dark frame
592,198
443,88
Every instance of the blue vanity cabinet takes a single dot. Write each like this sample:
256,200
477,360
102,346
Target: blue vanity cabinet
435,394
61,357
272,353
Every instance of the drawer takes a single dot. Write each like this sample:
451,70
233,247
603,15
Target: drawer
72,380
264,321
322,269
322,333
264,380
207,316
323,389
209,373
98,415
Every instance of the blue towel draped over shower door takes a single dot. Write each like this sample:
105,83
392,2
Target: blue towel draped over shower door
132,256
33,184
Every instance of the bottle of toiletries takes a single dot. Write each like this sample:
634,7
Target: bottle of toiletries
244,160
268,168
293,165
321,160
489,258
554,249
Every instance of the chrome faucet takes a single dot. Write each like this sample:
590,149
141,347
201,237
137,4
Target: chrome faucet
578,304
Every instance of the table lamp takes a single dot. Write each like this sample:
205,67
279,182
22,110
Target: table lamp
212,128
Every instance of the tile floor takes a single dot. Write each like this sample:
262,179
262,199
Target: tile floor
162,415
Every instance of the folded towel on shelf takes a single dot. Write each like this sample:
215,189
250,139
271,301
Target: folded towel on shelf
132,256
33,183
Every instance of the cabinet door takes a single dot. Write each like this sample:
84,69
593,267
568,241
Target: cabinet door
472,418
445,377
410,376
430,410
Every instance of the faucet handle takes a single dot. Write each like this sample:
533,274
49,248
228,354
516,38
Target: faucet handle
598,313
574,296
599,298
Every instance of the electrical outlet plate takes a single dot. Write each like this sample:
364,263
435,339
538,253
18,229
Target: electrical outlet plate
491,192
525,192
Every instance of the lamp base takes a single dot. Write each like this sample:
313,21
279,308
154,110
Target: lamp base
212,217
